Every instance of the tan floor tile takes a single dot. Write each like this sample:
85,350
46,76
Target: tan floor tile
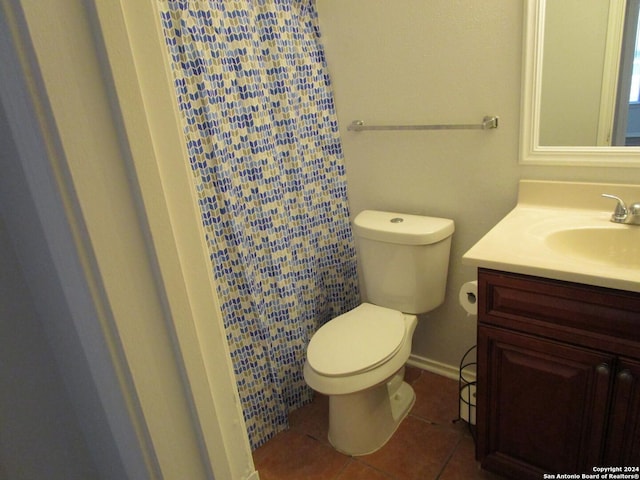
313,418
417,451
436,398
359,471
291,455
463,466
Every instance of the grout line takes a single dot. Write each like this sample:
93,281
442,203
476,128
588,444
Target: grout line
343,468
372,467
446,462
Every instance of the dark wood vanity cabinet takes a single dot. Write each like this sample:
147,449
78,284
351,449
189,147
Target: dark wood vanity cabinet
558,386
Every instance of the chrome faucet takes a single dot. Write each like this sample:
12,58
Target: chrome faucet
622,214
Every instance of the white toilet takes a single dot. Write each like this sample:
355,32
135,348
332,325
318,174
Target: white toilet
358,358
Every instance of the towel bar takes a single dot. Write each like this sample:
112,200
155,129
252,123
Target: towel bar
487,123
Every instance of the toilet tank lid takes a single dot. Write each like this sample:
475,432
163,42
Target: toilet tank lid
402,228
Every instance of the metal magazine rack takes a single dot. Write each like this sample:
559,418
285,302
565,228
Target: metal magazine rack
467,389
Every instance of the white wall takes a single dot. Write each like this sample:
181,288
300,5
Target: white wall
436,61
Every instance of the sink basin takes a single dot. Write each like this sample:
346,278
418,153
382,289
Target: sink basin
617,245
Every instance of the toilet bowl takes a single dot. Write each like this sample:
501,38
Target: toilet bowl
362,371
358,358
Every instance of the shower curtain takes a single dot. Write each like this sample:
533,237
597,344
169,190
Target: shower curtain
261,131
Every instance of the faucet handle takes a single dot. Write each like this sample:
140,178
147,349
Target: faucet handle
634,214
620,213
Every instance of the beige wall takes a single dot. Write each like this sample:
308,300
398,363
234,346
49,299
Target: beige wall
437,61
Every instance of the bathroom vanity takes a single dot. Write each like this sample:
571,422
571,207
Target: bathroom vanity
558,381
558,376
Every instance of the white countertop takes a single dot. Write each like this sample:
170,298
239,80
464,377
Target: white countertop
519,242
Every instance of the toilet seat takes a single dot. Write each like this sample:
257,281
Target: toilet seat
356,341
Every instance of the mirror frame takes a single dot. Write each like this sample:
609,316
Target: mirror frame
531,152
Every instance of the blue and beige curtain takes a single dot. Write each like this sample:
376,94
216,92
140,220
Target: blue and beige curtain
261,131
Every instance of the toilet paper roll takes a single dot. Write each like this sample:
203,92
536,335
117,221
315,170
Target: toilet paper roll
468,297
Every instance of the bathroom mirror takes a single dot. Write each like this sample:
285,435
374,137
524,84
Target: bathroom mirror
578,61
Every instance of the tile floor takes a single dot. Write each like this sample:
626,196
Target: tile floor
428,445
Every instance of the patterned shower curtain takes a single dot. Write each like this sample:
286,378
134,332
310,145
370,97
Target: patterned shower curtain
261,131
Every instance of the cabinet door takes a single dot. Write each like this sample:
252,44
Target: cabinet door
541,404
623,439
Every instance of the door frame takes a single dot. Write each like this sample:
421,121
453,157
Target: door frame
154,312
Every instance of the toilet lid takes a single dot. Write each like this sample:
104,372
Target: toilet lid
356,341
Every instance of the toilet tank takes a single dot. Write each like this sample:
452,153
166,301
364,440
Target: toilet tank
404,259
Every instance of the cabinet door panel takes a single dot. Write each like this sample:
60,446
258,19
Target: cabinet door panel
623,439
542,403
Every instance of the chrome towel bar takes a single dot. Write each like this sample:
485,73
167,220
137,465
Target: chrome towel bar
487,124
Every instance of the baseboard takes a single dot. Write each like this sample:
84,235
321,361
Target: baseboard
439,368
